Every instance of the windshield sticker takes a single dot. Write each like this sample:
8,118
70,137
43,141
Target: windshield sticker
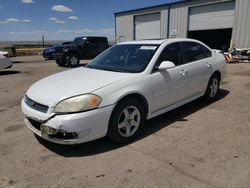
148,47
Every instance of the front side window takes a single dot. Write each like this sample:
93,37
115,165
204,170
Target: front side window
171,53
132,58
79,41
193,51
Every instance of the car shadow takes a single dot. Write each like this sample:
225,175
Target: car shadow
16,62
151,126
8,72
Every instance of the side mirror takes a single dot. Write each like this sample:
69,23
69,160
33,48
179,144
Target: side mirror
166,65
86,44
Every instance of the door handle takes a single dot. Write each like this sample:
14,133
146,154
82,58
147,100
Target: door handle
208,64
183,72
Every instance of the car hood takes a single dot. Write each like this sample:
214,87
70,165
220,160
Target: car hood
52,89
3,53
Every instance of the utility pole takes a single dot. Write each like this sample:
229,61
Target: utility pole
43,41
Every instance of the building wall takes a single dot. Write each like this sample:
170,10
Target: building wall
125,22
241,28
179,20
179,15
125,26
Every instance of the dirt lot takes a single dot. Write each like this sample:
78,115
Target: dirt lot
197,145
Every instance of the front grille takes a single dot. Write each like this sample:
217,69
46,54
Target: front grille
36,106
58,55
64,136
36,124
58,50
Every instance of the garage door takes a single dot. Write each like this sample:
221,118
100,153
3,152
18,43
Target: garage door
215,16
147,26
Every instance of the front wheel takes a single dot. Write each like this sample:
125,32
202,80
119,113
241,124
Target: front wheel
212,88
126,121
73,60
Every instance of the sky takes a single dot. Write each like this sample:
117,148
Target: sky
62,19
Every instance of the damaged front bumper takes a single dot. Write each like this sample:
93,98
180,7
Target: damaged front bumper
69,128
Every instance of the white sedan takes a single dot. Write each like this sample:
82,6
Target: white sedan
5,62
117,91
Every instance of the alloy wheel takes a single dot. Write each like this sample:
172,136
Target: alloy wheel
73,60
214,87
129,121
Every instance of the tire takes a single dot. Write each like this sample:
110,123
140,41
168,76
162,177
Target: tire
60,62
212,88
126,122
73,60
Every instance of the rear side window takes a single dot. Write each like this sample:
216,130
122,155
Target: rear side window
193,51
207,52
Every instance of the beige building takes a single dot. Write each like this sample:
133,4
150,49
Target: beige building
218,23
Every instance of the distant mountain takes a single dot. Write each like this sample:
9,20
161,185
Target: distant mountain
46,43
29,42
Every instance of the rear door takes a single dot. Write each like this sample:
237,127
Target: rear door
101,45
90,48
198,59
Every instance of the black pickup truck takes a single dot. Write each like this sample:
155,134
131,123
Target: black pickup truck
80,48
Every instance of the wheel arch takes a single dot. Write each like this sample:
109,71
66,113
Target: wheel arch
138,97
73,52
218,73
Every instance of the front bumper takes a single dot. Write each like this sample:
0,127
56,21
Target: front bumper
84,127
47,55
58,56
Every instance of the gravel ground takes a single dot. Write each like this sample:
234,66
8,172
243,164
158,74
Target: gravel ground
197,145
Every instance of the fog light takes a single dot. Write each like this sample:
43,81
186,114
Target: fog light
48,130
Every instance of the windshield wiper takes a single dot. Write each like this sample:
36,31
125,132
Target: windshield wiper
106,69
88,66
114,70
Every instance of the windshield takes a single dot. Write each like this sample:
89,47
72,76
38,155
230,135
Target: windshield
131,58
56,45
79,41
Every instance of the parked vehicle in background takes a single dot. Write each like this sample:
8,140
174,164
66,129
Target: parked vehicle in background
240,54
124,86
8,48
217,51
236,55
47,53
5,61
80,48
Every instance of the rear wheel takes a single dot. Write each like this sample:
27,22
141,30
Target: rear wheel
73,60
126,121
212,88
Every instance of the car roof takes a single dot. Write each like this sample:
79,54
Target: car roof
159,41
91,37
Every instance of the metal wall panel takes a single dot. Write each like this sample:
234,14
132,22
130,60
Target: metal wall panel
179,20
147,26
124,28
164,23
241,28
125,22
179,15
214,16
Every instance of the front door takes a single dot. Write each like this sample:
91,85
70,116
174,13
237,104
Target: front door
169,86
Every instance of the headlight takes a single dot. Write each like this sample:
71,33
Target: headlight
78,104
66,49
51,50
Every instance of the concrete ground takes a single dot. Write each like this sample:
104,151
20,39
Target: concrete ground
197,145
